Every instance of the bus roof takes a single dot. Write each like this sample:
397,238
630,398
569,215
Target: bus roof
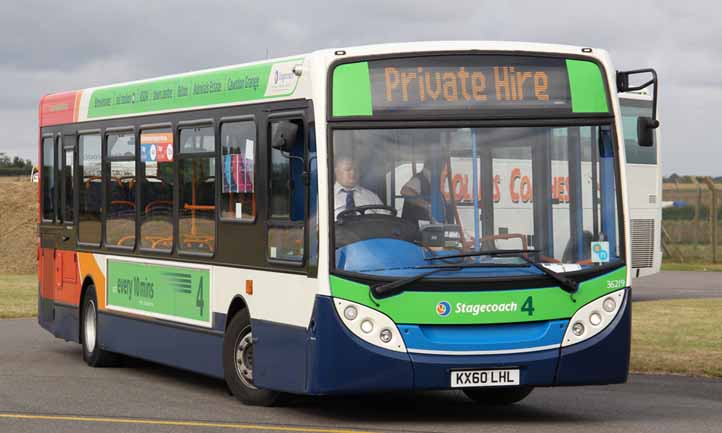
277,79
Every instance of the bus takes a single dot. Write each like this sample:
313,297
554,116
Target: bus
395,217
644,186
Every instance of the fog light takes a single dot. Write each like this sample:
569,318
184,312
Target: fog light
595,318
578,329
367,326
350,312
385,335
609,305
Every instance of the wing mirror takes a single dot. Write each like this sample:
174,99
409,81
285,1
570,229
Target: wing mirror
645,131
284,135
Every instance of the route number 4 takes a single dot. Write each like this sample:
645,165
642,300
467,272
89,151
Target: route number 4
199,298
528,306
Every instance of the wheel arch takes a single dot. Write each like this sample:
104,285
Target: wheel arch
237,304
87,282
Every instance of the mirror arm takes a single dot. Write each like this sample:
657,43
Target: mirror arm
623,86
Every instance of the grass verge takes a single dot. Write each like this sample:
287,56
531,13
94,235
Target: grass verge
677,336
18,296
697,267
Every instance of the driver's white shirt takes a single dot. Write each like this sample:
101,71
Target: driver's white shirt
361,197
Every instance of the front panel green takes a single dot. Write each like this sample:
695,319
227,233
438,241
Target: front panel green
352,90
587,87
168,290
481,307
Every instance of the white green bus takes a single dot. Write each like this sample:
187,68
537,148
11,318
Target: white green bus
644,180
417,216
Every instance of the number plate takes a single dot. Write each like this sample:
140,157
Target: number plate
476,378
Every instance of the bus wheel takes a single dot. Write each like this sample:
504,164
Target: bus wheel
498,396
238,363
93,355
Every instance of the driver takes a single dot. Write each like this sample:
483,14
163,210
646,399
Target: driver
347,192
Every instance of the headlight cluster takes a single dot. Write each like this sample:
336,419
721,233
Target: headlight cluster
592,318
370,325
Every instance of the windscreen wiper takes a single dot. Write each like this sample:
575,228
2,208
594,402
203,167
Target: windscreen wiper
396,287
566,284
482,253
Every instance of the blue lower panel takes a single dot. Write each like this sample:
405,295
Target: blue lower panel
341,363
604,358
60,320
180,347
279,356
434,371
515,336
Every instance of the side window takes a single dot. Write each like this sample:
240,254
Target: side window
157,181
238,153
197,173
48,178
120,221
631,110
287,191
68,171
90,194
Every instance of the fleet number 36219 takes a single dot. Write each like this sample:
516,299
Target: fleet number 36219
615,284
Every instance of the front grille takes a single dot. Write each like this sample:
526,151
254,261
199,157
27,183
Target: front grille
642,243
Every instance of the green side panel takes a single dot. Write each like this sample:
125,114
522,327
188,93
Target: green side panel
476,307
352,90
169,290
587,87
232,85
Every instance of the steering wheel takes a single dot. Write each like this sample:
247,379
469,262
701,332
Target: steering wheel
361,210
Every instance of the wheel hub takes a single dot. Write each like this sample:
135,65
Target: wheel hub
244,359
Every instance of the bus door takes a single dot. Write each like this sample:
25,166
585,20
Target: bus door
66,260
49,227
280,360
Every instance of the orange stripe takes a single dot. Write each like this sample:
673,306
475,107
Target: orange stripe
78,95
89,268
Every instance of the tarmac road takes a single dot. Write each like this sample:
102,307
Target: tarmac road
45,387
677,285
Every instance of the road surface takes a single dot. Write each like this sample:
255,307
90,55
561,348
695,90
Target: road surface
45,387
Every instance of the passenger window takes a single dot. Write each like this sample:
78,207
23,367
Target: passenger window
287,191
120,222
238,147
156,189
90,194
48,178
197,170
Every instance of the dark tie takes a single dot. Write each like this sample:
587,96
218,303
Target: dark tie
350,203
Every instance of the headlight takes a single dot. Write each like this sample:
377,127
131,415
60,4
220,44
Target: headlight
592,318
350,312
367,326
362,321
386,335
609,304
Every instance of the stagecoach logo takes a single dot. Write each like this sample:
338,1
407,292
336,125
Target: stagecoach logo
443,309
282,80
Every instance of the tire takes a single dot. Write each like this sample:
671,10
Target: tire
93,355
238,364
498,396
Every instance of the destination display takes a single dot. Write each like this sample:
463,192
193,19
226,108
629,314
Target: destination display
469,82
461,83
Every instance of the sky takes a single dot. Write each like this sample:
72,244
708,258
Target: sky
49,46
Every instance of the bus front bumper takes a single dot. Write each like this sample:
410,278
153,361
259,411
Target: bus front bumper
341,363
